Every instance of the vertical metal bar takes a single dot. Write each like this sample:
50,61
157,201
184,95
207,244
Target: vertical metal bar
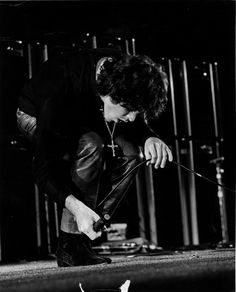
45,53
192,184
37,215
46,203
151,204
182,191
55,211
213,100
214,110
127,47
133,47
56,219
29,55
218,137
47,223
222,205
142,229
36,190
217,100
94,42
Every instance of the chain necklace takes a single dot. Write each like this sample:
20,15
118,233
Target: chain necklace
111,132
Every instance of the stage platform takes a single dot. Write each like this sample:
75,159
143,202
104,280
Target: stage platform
191,270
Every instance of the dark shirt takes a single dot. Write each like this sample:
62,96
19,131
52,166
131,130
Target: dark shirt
63,98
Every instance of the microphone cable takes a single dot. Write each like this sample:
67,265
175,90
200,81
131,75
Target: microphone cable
174,162
204,177
106,217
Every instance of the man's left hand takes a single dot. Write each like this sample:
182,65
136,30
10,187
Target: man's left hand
156,150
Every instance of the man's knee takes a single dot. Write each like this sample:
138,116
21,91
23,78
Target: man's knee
90,143
88,161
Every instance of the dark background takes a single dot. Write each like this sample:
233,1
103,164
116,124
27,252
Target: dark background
192,30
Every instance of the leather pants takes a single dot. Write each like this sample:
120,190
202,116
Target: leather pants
94,171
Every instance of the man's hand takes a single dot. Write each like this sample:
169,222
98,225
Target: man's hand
156,150
84,216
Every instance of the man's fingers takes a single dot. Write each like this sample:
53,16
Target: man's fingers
159,155
151,154
166,154
147,156
85,225
93,235
170,156
89,231
164,159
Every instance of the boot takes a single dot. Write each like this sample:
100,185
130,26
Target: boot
76,250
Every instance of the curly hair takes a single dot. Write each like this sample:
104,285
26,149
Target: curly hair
136,83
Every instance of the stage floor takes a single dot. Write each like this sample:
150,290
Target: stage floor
195,270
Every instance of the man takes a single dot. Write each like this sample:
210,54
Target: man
91,107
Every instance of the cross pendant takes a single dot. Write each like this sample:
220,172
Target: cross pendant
113,146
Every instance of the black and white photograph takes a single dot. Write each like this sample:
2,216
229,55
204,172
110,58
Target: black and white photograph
117,146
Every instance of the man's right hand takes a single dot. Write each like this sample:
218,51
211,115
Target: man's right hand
84,216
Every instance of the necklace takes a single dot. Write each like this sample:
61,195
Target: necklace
111,132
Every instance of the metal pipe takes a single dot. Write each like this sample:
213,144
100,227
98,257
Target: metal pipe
55,211
46,204
222,204
94,42
45,53
191,177
142,229
127,47
37,216
133,47
151,204
56,219
36,190
29,55
215,94
182,191
214,111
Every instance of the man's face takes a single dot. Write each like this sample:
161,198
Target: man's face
116,112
